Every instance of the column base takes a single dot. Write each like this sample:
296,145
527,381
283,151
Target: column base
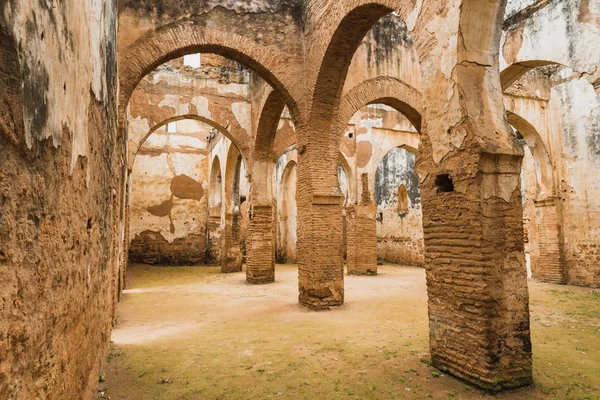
260,246
323,299
260,280
482,382
366,272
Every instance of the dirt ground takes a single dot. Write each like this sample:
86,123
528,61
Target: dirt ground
193,333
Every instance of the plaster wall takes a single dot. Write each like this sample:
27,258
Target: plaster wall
562,103
169,207
62,182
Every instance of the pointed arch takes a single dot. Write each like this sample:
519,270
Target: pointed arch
181,38
233,167
543,163
234,138
382,90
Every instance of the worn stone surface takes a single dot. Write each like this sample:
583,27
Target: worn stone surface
315,64
61,196
169,197
260,250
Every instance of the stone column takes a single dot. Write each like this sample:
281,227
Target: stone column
362,234
214,237
321,263
476,274
231,253
362,239
550,267
260,246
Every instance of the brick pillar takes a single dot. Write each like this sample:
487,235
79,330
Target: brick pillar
260,246
231,253
550,267
362,240
321,263
476,274
214,238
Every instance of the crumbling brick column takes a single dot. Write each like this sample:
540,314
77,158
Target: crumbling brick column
362,239
214,237
550,266
321,263
476,275
260,245
231,253
362,234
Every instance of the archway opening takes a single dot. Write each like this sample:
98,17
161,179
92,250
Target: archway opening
399,213
170,195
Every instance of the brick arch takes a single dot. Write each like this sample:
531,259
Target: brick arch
267,126
346,26
213,190
233,166
514,72
180,38
543,161
11,96
382,90
217,126
223,116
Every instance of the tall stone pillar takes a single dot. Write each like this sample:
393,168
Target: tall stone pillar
214,237
362,234
321,263
476,274
550,266
362,239
231,253
260,246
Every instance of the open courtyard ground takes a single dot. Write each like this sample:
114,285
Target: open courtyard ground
194,333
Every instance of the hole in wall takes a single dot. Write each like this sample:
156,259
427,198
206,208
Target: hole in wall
443,183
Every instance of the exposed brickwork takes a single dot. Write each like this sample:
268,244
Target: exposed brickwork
231,253
214,238
321,278
260,246
152,248
478,300
401,250
550,263
361,240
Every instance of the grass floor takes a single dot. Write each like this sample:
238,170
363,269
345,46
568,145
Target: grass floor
193,333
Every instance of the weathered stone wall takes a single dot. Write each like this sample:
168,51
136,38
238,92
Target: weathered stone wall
61,189
399,229
215,93
286,218
562,104
374,144
169,206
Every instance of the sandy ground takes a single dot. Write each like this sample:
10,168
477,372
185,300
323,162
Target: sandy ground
193,333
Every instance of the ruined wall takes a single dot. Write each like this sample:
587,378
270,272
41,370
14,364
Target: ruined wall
209,88
399,227
372,133
61,185
565,109
386,50
169,206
